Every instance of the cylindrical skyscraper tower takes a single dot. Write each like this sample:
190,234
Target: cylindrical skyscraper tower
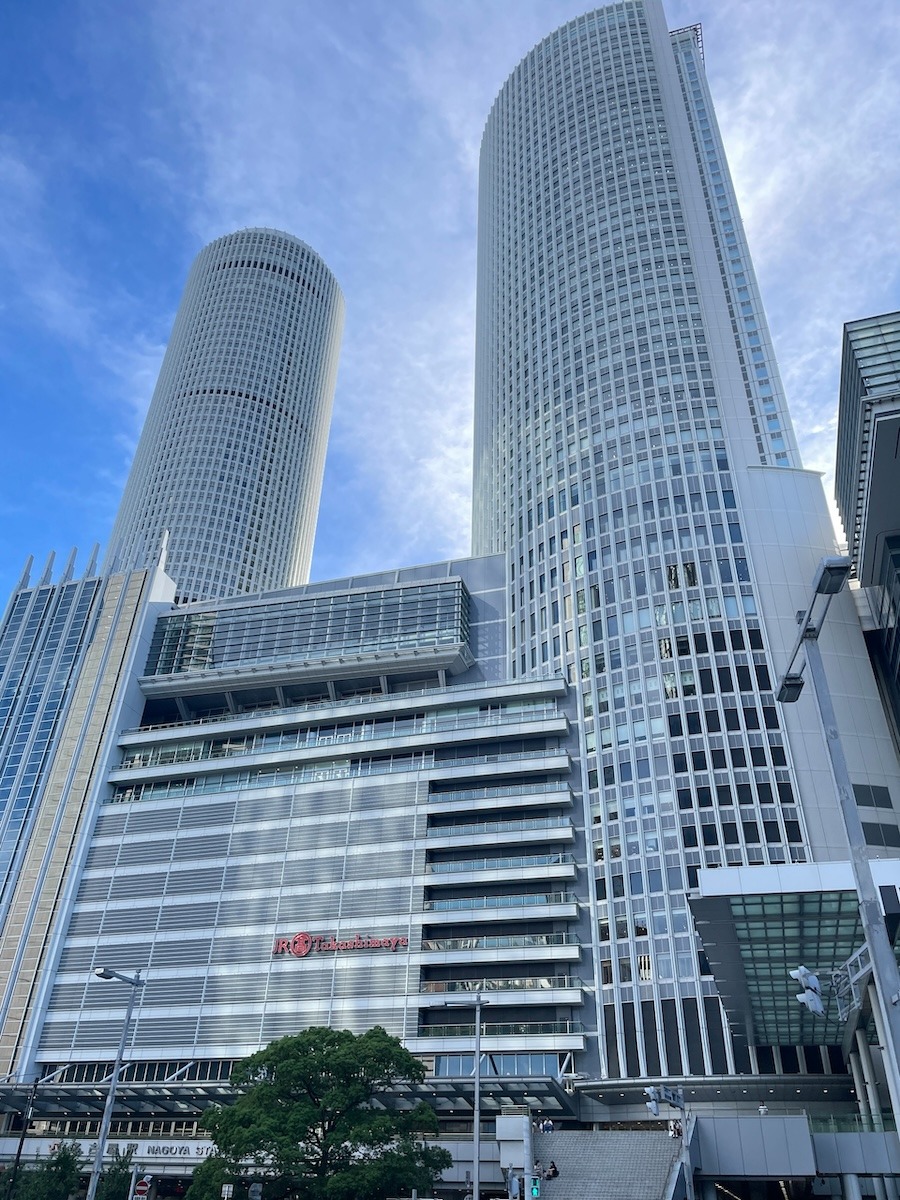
635,460
231,457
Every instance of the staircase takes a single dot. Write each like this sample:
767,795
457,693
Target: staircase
607,1165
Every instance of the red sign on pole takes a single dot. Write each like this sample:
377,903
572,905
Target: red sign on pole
141,1188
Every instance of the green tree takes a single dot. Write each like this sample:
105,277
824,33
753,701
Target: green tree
115,1182
52,1178
313,1119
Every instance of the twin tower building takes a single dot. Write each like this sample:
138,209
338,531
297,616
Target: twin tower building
362,801
231,458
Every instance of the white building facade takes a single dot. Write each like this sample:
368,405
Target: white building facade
635,460
231,457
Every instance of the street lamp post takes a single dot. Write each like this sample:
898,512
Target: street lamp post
135,983
479,1001
476,1108
830,578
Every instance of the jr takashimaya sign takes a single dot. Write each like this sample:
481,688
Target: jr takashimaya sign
302,944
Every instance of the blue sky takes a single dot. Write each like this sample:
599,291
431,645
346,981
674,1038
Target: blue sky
132,134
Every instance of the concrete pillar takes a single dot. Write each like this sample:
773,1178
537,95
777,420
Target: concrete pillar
865,1059
859,1084
885,1033
851,1187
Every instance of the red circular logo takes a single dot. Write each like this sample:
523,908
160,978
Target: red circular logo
301,944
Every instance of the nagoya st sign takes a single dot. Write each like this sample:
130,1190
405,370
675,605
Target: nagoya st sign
302,944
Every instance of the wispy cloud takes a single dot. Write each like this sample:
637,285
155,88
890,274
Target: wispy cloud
809,108
51,299
356,124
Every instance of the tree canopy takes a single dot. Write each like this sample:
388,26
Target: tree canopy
314,1119
54,1177
115,1183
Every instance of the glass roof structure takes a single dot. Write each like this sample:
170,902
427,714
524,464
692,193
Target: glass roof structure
757,926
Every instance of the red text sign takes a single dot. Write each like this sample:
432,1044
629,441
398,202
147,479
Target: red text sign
302,944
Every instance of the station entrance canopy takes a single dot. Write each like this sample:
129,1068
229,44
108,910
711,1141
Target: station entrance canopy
758,924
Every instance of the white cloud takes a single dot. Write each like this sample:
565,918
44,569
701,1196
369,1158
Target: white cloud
807,101
356,124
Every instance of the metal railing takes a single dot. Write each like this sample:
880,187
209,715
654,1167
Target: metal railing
492,792
500,827
464,903
853,1123
250,714
311,739
521,861
525,984
502,941
506,1029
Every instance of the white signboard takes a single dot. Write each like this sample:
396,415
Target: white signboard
154,1156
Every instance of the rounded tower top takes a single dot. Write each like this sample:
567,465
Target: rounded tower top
231,457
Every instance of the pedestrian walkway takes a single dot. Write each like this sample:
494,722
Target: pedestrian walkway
607,1164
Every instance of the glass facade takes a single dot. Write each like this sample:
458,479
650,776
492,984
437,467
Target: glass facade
624,383
276,629
42,643
231,457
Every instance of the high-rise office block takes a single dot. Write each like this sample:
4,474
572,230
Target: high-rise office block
608,226
70,654
866,481
868,427
231,457
635,460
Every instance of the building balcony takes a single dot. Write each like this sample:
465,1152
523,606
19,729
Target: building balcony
487,833
552,761
553,793
528,906
466,903
516,1035
521,990
376,734
162,761
348,708
172,781
501,869
502,948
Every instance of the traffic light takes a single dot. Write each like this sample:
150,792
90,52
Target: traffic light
653,1098
535,1188
811,996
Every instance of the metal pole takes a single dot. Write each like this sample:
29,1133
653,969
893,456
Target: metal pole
884,964
26,1118
686,1157
528,1172
476,1134
111,1095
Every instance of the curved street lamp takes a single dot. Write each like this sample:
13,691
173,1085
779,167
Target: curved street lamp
135,983
831,575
